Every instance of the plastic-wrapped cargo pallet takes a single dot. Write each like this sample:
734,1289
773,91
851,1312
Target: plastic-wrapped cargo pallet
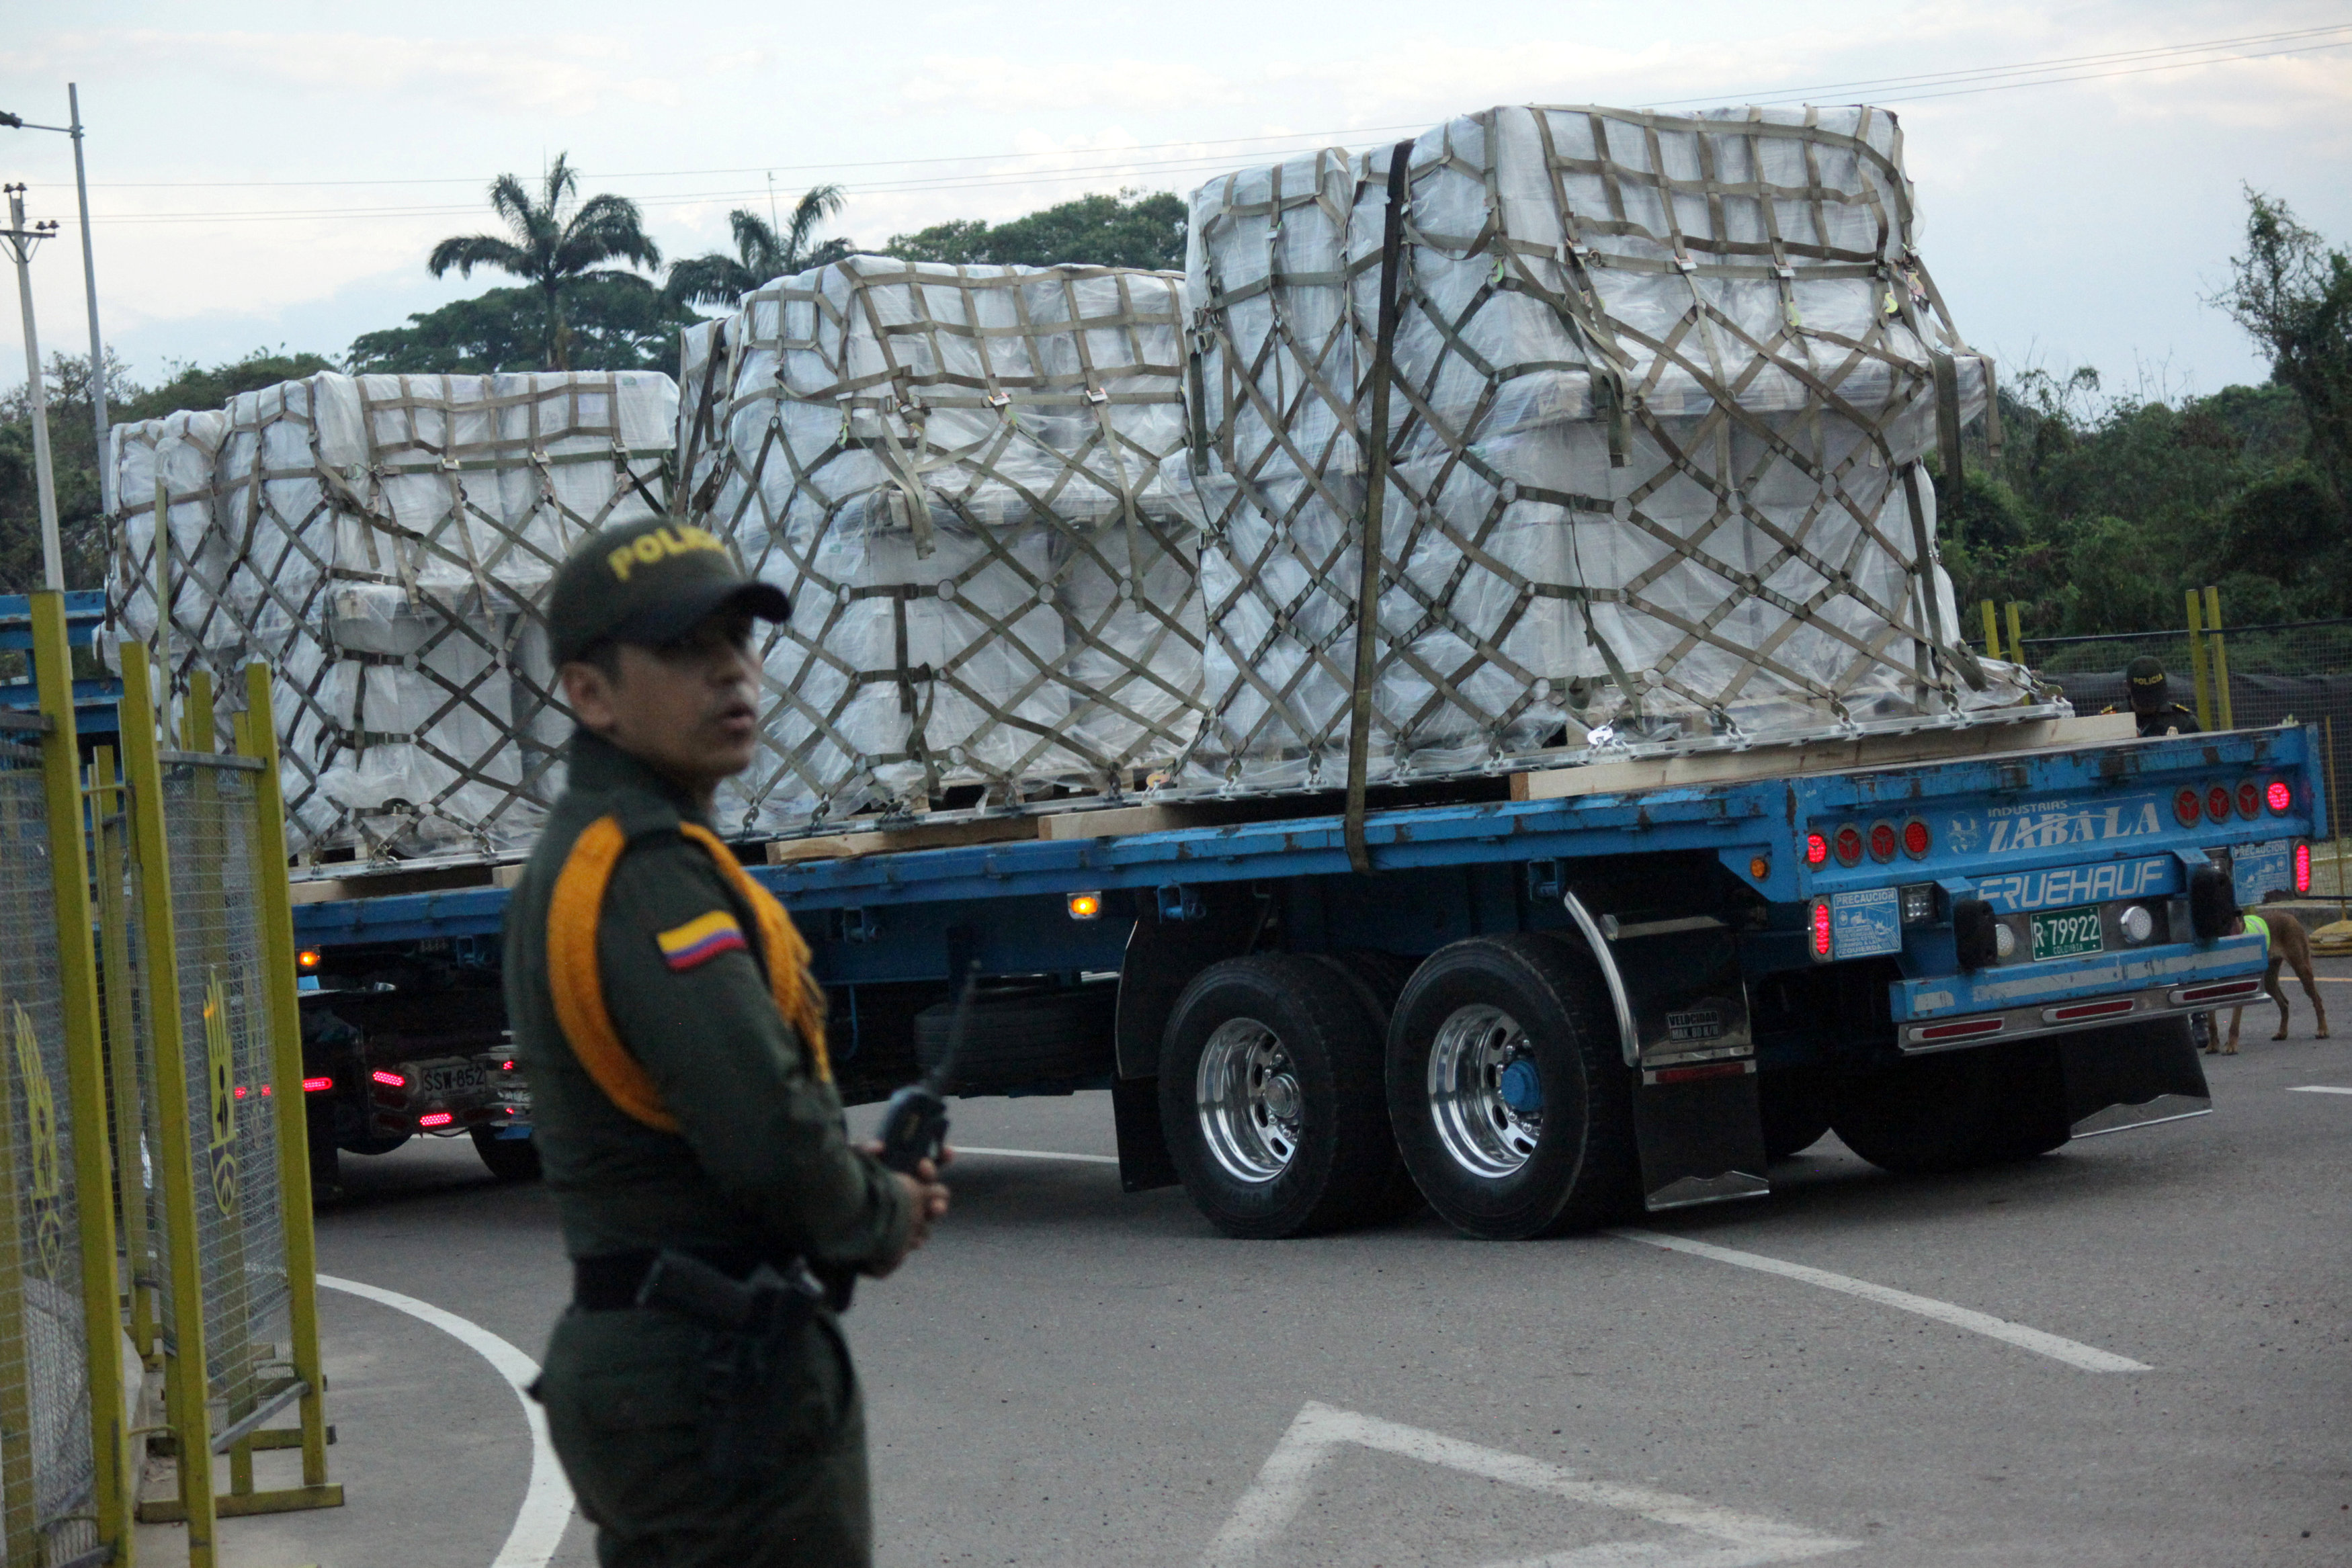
963,477
1660,386
383,542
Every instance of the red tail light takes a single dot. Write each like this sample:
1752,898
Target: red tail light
1821,930
2217,803
389,1079
1817,849
1917,840
505,1067
2185,807
2250,799
439,1119
1849,845
239,1091
2280,796
1882,842
2303,868
317,1085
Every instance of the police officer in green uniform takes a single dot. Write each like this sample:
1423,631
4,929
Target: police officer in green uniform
682,1099
2151,700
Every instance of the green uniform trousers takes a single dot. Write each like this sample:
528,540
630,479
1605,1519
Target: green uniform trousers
624,1397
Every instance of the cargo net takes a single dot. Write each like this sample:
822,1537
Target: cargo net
1660,389
963,478
229,1097
383,544
48,1483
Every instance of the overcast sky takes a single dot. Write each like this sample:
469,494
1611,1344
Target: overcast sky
272,174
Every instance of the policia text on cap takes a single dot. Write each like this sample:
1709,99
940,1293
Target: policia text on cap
698,1391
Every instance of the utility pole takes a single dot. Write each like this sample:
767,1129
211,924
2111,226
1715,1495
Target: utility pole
89,288
20,242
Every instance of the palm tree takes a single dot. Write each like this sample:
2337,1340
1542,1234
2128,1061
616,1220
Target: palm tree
760,253
554,245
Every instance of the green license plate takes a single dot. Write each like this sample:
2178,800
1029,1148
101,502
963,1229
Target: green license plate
2063,933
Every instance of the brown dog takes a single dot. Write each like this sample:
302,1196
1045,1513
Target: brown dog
2289,945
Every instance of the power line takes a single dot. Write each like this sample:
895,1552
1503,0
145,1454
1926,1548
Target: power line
1983,81
1308,140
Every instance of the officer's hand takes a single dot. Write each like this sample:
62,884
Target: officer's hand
926,1203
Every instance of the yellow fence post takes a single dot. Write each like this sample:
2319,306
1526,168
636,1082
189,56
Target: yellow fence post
186,1379
85,1073
275,914
2218,656
2196,660
1992,630
110,825
2016,634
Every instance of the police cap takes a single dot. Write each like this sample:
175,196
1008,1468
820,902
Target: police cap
649,583
2146,672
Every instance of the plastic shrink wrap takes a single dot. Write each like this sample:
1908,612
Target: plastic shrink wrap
966,479
1660,389
383,543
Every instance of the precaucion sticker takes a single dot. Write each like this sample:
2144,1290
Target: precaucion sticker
1865,922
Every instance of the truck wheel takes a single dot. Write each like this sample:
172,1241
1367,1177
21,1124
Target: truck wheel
1796,1113
1379,978
1016,1038
1923,1115
1509,1090
1270,1096
509,1159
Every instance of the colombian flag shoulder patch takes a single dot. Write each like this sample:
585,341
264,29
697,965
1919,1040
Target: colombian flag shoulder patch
699,940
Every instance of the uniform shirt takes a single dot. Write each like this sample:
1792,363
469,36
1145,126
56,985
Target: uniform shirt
759,1162
2171,718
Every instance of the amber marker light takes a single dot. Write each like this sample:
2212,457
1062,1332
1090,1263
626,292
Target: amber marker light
308,958
1759,867
1085,906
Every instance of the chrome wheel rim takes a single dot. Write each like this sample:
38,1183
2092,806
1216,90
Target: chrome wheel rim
1249,1101
1485,1092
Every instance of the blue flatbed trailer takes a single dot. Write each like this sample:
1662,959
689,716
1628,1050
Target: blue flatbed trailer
1545,1012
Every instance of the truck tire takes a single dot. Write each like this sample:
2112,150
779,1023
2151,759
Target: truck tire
1920,1115
1379,978
1509,1090
1270,1098
1017,1037
509,1159
1796,1113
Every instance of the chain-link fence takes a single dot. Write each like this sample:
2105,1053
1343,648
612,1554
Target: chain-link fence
46,1461
224,1021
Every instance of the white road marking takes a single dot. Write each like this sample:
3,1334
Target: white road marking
2318,1089
1737,1540
547,1499
1038,1155
2071,1351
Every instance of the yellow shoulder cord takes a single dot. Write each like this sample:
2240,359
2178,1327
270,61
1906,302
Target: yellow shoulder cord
576,981
798,996
577,985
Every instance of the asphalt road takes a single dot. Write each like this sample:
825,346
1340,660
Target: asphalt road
1074,1376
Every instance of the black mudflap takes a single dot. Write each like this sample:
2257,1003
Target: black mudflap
1144,1159
2132,1075
1701,1135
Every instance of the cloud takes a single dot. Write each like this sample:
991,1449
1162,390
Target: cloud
999,86
556,74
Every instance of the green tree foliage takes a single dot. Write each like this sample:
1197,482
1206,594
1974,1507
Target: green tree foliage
2293,293
760,253
1131,229
558,242
73,451
617,322
2102,510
